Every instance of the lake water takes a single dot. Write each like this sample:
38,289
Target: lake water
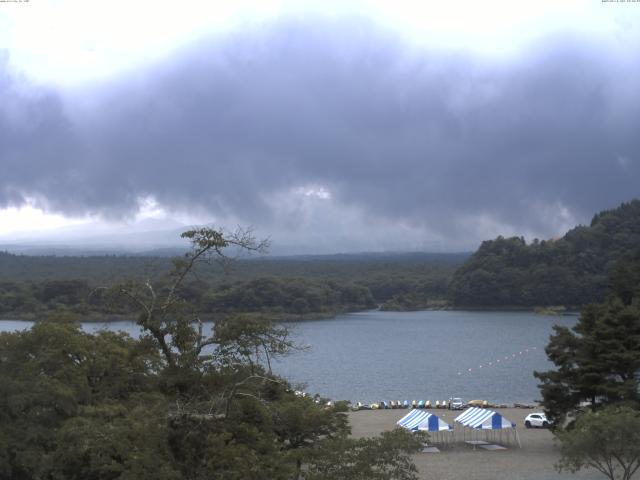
372,356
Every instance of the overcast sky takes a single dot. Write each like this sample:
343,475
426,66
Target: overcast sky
329,128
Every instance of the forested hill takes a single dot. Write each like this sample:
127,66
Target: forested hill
570,271
34,287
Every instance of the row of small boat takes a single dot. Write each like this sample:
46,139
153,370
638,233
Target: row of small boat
398,404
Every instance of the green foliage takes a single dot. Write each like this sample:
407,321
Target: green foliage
299,422
97,269
67,292
385,457
52,375
293,296
598,360
176,403
407,302
572,270
34,287
250,340
607,440
114,442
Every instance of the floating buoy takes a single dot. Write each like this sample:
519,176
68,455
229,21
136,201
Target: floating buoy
507,357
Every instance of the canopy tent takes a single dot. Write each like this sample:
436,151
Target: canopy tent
484,419
424,421
421,420
487,421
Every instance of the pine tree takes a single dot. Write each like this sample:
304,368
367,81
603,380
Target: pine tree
598,360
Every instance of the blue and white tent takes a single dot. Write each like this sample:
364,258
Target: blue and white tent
481,418
491,423
423,421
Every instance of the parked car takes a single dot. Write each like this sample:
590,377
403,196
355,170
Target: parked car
537,419
455,404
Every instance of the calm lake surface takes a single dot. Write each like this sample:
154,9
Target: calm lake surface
372,356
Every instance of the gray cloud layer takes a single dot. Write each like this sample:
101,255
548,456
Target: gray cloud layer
449,144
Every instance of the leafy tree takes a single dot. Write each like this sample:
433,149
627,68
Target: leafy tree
115,441
250,340
598,360
607,440
64,291
268,295
177,403
53,374
382,458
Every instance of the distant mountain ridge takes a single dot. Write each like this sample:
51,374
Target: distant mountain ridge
109,265
444,258
570,271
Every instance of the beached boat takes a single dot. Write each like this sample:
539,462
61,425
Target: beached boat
361,406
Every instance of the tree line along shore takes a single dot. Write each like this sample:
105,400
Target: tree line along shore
551,276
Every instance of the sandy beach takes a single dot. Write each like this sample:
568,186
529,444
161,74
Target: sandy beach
534,461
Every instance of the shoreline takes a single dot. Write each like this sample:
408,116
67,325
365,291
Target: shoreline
285,317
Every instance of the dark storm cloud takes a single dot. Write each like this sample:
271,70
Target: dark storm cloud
428,137
36,140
